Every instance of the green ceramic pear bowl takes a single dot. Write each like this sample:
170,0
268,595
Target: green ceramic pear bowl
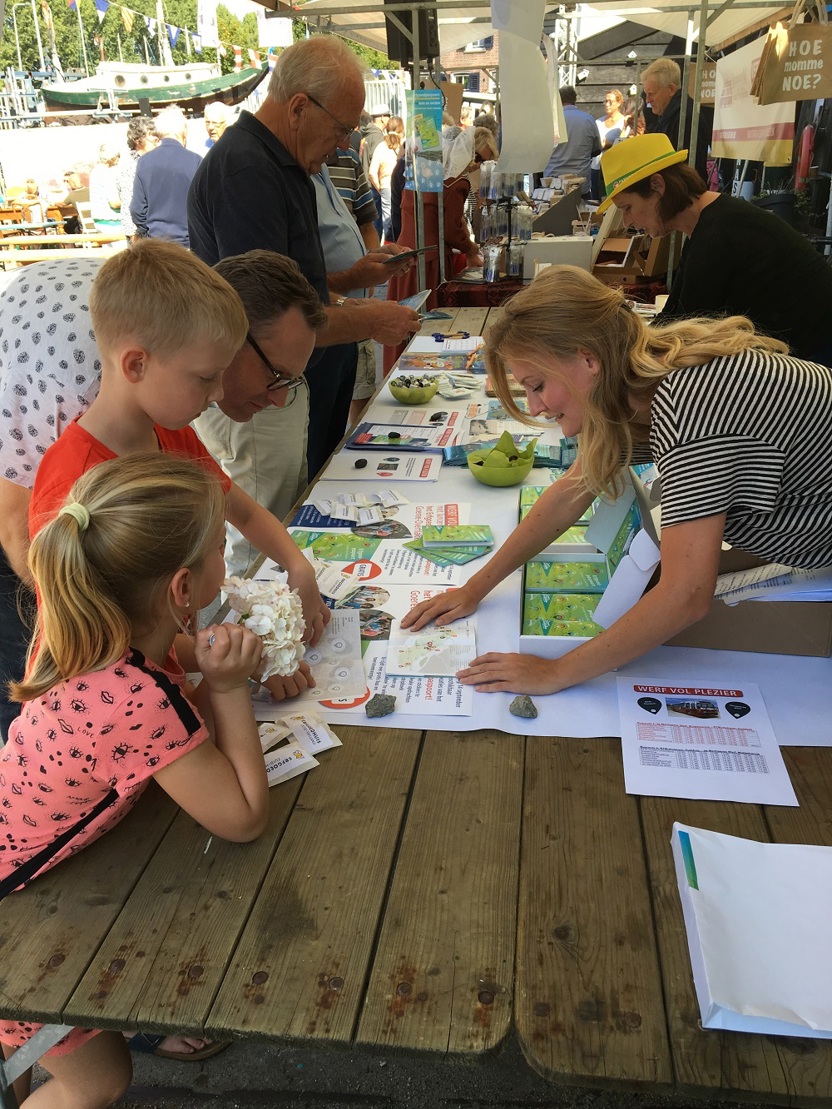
413,394
500,477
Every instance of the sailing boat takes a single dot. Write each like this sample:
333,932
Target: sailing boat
125,85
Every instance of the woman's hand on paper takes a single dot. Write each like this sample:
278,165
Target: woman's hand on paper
444,609
498,673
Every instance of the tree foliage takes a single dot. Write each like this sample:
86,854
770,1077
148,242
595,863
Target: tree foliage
118,40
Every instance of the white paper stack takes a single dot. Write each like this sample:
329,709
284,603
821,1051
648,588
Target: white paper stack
758,924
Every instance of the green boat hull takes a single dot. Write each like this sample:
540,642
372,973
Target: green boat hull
193,95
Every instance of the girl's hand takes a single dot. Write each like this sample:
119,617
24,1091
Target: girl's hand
444,609
227,654
497,673
315,612
282,689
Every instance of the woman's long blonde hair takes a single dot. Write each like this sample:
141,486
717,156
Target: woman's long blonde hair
149,515
565,310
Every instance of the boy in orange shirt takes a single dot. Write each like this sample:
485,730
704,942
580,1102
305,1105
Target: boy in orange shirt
167,326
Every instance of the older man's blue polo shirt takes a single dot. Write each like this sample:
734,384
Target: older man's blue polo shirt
249,193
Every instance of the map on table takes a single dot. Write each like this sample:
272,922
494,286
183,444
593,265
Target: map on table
435,651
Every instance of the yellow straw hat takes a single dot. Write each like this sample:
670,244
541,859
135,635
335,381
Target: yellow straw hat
634,159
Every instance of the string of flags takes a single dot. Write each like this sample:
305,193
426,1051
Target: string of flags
193,41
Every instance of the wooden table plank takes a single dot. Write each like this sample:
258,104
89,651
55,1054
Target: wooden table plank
50,932
445,327
704,1061
589,1004
442,976
470,319
163,960
493,315
301,964
810,769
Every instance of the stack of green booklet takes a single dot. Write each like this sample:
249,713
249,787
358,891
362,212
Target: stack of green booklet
453,544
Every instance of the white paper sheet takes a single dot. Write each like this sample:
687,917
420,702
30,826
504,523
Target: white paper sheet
382,468
525,98
757,919
714,743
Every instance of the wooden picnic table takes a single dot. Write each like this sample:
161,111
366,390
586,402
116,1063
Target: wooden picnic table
90,238
420,890
23,250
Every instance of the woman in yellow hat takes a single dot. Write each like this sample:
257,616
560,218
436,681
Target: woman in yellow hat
739,260
738,430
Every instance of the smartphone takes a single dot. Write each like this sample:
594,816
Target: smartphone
394,259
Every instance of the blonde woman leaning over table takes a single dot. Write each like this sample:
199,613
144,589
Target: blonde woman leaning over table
739,432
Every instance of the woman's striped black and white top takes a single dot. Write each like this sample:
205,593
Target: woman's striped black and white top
750,436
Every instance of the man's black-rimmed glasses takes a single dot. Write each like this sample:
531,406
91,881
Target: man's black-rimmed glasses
280,380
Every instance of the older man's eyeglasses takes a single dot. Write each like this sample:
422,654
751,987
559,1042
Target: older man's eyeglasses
290,384
343,131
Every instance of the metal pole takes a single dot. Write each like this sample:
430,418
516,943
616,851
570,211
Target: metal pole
418,199
16,36
697,80
37,35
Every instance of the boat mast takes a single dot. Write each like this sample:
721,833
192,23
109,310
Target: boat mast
166,58
83,39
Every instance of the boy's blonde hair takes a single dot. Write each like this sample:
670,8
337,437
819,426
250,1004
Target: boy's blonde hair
565,310
166,299
149,516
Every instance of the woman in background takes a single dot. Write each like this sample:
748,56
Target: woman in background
610,128
104,199
383,163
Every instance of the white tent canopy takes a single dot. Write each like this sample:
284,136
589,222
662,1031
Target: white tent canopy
464,21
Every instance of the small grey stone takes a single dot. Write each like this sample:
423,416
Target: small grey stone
523,706
382,704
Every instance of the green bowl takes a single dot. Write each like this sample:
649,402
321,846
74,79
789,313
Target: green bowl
412,394
498,476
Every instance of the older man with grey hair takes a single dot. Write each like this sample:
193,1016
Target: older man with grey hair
159,207
662,84
254,189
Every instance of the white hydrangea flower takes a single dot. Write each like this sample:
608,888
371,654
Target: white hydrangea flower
273,611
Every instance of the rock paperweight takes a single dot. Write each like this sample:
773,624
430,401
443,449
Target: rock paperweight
523,706
382,704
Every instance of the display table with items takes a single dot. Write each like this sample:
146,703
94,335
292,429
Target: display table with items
450,874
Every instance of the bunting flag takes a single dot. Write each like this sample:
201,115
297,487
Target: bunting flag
173,33
101,7
72,5
221,51
238,58
197,43
46,12
128,18
254,57
150,23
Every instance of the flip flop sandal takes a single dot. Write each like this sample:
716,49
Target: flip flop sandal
147,1043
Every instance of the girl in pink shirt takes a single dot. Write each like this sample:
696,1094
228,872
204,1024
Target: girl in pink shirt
136,550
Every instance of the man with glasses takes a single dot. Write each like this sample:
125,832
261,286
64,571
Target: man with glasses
266,376
254,190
